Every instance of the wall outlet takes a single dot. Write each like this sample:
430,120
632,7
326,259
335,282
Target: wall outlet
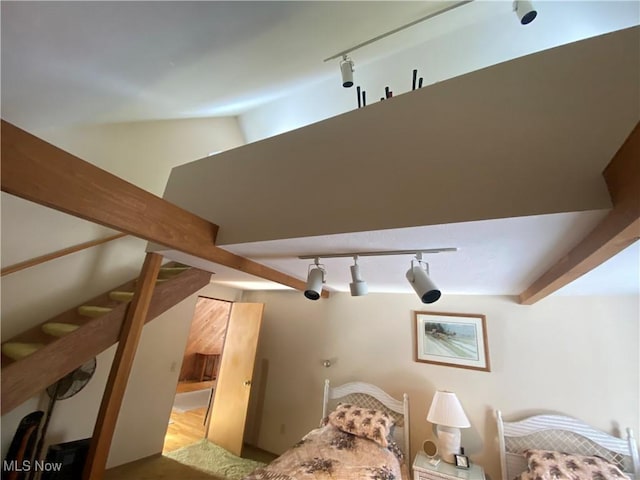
282,429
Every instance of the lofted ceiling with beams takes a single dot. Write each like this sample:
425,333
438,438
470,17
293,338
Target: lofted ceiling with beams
74,63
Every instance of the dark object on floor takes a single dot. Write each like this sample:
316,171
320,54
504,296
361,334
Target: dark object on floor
20,453
66,460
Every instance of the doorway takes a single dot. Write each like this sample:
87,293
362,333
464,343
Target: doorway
198,374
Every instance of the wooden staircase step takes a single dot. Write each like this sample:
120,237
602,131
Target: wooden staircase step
20,350
158,281
53,357
57,329
93,311
120,296
74,316
168,272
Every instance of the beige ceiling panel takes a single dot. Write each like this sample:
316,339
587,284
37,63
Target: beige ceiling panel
526,137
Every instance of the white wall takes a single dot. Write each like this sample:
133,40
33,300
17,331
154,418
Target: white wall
461,41
141,153
144,417
574,355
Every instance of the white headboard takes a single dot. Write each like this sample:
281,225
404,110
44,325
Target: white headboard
367,395
562,434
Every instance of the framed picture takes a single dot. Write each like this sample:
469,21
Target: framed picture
462,461
453,339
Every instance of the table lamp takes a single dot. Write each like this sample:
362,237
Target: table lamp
448,416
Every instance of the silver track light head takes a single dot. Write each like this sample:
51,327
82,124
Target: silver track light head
422,284
358,286
346,69
315,280
525,11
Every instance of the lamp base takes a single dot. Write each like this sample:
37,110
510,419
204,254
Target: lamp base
448,442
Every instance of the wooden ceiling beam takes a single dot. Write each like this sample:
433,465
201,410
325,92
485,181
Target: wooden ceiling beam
42,173
619,229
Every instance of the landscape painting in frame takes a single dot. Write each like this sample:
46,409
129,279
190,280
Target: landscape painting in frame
453,339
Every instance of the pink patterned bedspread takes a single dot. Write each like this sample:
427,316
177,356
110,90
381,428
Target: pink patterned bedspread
329,453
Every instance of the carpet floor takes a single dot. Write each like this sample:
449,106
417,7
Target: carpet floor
210,458
157,467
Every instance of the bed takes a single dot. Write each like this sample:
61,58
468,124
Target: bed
557,447
364,434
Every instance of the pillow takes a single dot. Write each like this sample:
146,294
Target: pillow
395,449
375,425
549,465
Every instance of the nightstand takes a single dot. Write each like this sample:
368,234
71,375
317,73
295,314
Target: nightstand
422,470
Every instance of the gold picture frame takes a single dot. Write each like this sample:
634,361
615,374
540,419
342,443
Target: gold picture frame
452,339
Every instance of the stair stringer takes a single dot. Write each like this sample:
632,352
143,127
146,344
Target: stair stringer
24,378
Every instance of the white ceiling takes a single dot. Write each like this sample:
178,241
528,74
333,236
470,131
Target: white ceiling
66,63
122,61
476,268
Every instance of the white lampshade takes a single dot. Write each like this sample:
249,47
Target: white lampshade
446,410
448,415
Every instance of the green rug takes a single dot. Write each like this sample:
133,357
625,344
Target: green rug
210,458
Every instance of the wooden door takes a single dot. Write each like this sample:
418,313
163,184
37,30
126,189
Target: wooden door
229,412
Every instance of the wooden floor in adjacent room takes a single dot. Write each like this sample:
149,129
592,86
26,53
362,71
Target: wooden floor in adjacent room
186,428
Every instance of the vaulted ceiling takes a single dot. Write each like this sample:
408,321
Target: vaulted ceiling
71,63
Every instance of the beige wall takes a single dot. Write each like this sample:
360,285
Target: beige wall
574,355
141,153
476,166
144,153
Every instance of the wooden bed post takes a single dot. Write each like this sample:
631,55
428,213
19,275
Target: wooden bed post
120,369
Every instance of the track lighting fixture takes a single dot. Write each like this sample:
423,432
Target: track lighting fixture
523,8
423,285
315,280
418,275
525,11
358,287
344,53
346,69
